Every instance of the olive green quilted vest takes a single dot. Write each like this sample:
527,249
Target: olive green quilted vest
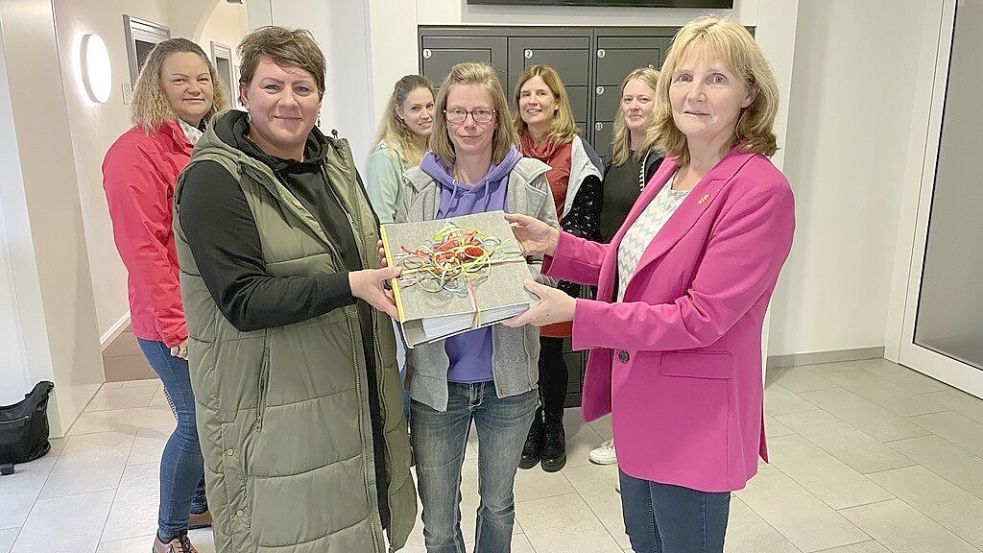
283,413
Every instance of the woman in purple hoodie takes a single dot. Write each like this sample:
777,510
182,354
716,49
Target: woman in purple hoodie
486,376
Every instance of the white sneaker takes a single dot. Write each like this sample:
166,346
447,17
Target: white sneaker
604,455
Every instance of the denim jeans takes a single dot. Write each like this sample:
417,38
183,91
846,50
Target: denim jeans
439,442
182,487
661,518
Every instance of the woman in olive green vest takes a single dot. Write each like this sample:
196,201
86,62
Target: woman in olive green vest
292,357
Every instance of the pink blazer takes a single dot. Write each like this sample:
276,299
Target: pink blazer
678,362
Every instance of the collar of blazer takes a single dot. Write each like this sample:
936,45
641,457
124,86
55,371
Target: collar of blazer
695,204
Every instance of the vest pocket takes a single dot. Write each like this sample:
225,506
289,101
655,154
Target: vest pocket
262,388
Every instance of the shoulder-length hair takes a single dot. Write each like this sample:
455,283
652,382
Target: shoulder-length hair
392,129
621,139
737,50
562,126
149,107
480,74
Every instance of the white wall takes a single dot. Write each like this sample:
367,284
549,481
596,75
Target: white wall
851,101
226,25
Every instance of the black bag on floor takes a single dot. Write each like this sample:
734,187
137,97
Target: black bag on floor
24,427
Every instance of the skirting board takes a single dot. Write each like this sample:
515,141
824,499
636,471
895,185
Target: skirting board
818,357
114,331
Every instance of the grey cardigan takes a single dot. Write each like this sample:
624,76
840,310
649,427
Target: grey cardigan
515,351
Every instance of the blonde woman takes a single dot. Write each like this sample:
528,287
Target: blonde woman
403,133
547,132
486,376
633,162
176,93
682,290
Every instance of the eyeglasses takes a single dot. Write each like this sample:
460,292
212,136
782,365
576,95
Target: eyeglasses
480,115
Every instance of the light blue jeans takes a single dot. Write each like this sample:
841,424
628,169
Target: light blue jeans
439,442
182,489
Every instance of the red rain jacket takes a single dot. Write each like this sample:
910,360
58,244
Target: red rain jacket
139,173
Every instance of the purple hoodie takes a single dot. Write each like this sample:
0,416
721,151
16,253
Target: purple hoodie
470,353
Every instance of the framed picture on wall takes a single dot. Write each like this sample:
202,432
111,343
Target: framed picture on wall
222,58
141,37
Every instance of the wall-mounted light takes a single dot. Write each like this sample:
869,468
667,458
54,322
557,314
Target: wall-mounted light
97,74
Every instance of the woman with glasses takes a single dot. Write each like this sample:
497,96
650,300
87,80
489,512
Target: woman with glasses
487,376
548,133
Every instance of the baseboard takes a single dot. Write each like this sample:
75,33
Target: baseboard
819,357
114,331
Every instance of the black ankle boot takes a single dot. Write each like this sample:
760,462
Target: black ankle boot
533,449
555,443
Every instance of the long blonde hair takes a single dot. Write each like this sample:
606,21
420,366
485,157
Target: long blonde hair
484,75
738,51
149,107
562,126
621,140
393,130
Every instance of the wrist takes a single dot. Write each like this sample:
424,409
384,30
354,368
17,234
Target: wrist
554,241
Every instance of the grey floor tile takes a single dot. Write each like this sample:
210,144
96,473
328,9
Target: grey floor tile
872,419
148,446
865,547
7,538
89,463
140,544
127,421
18,491
828,368
801,517
902,529
596,485
581,439
774,428
804,379
967,405
123,398
885,393
65,524
134,510
956,428
142,382
826,477
563,525
951,462
749,533
780,401
942,501
841,440
902,376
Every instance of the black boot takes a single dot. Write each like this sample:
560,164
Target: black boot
533,449
555,442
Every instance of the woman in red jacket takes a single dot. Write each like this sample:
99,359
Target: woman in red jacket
175,94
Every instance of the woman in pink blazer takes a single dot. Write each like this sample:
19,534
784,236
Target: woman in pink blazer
675,334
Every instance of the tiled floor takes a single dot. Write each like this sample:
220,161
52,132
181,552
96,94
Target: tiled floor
867,457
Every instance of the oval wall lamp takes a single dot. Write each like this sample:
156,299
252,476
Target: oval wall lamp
97,75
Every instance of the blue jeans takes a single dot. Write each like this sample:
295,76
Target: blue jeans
439,442
661,518
182,488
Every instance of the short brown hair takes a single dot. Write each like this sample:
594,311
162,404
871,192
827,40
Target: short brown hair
286,47
562,126
741,54
149,107
481,74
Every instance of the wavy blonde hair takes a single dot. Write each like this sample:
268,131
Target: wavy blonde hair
393,130
562,126
621,140
149,107
480,74
736,48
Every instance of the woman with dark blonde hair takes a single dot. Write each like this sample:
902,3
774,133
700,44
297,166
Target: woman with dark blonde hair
175,95
547,132
402,140
292,354
683,287
486,376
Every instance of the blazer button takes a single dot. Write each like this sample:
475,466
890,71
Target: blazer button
623,356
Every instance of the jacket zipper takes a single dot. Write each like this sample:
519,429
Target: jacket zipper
264,384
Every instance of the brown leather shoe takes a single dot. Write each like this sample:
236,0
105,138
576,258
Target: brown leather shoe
179,544
199,520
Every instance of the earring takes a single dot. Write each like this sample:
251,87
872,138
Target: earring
318,122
